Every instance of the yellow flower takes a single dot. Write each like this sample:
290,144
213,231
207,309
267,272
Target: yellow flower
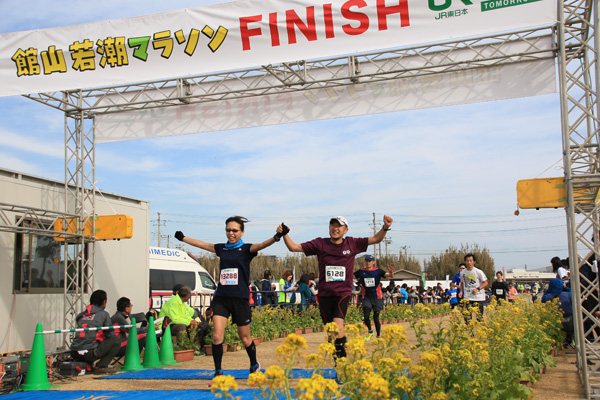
363,366
356,347
223,383
257,379
375,388
331,330
296,341
353,330
405,384
275,376
386,366
316,387
439,396
326,349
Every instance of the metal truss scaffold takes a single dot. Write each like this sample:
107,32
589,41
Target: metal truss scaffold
457,55
579,78
80,197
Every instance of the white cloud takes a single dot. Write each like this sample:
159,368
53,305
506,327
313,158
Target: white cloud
24,142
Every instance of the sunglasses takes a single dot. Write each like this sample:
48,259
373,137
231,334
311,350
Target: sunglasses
232,230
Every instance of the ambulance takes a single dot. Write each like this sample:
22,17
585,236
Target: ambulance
169,267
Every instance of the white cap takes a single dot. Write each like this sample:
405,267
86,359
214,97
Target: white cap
340,220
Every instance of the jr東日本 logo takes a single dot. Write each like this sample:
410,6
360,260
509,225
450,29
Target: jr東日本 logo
459,8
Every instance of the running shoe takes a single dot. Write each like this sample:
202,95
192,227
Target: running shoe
255,368
217,373
369,336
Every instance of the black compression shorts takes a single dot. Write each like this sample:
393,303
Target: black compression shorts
333,307
238,308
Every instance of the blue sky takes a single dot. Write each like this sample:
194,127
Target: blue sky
446,175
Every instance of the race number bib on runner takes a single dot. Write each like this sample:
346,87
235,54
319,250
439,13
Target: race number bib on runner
333,273
369,282
500,292
229,276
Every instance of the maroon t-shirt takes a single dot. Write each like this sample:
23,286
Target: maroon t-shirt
336,263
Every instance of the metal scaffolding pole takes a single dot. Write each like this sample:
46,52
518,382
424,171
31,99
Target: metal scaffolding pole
80,199
579,82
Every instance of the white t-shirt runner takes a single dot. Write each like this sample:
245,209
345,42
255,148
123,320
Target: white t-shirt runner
472,280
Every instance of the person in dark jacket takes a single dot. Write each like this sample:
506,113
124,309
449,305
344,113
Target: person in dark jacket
556,290
122,317
304,292
266,288
101,345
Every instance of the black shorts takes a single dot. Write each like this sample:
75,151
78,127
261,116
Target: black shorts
333,307
238,308
373,303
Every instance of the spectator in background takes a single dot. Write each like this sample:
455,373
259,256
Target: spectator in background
122,317
564,272
556,290
304,291
89,346
183,318
312,285
391,287
267,287
404,294
413,295
285,287
559,269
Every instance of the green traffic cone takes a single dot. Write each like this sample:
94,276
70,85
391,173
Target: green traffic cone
151,349
132,351
37,374
166,349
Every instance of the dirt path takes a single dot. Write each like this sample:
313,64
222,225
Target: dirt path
557,383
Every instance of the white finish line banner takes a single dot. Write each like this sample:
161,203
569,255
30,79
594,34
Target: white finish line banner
451,88
243,34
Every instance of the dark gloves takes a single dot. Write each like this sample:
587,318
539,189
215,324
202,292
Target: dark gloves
179,236
284,231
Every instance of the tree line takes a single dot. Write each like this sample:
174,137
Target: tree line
436,267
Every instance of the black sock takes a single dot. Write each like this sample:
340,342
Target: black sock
340,347
217,355
251,350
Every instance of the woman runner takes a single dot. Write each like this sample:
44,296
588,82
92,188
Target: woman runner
232,297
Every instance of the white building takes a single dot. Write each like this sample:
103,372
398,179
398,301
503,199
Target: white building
32,288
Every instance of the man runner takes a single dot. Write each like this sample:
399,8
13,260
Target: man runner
369,279
336,267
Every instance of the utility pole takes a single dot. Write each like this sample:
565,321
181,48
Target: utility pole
387,240
374,233
158,229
